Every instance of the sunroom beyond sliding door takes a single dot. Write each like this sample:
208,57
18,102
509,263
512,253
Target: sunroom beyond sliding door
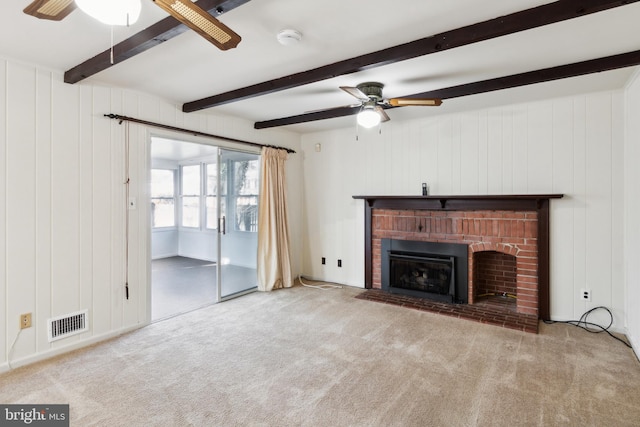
203,225
238,187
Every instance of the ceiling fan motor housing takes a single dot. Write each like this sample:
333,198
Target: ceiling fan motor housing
372,90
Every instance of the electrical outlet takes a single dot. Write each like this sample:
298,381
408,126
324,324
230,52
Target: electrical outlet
339,263
585,294
25,320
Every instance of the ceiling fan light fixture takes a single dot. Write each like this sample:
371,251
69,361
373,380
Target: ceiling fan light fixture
112,12
368,118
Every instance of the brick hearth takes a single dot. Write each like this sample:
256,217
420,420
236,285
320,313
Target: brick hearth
488,311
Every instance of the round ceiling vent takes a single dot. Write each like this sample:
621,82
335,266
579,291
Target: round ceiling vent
289,37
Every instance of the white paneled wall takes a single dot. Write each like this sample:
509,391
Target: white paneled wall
573,146
3,214
63,208
632,213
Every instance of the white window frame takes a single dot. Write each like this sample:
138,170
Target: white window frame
181,197
175,201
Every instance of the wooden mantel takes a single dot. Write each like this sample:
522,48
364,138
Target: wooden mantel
523,202
461,203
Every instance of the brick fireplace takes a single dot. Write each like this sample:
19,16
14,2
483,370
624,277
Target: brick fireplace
485,232
507,239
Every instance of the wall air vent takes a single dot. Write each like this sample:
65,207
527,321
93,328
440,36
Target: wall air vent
70,324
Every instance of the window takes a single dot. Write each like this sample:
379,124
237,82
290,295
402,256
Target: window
190,196
163,203
244,197
236,193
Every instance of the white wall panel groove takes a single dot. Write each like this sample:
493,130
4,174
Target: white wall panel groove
43,128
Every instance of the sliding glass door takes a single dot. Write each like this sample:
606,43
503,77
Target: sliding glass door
238,188
204,212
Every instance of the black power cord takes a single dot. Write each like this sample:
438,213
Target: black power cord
584,324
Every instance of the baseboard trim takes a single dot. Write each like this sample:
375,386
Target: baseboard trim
316,279
163,256
635,346
39,357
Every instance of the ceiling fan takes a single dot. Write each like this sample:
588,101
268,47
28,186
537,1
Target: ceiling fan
185,11
370,110
372,103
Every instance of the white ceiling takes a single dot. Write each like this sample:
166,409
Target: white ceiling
187,68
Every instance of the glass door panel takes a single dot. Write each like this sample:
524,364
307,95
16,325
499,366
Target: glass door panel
238,187
183,255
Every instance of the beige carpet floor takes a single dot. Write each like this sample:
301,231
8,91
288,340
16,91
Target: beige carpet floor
307,357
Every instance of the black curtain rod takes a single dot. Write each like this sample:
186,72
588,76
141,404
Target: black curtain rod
192,132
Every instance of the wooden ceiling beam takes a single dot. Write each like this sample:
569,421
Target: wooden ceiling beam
308,117
144,40
558,11
576,69
608,63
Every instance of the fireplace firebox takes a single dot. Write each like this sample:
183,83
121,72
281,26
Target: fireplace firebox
432,270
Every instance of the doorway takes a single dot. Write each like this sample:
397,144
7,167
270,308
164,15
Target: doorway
204,211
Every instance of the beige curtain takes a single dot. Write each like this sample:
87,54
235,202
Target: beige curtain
274,259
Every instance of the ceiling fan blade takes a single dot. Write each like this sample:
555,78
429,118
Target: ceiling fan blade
383,115
201,21
53,10
355,92
308,117
402,102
